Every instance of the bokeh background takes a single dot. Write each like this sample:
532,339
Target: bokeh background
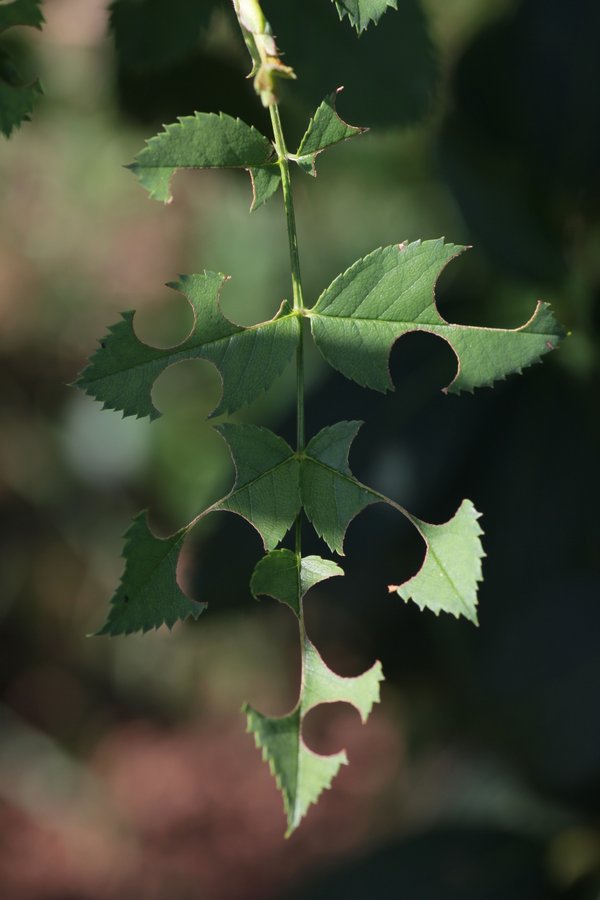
124,767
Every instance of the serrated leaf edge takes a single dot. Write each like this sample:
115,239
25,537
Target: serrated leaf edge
197,606
340,756
34,87
186,529
540,305
357,23
284,311
180,123
481,554
312,157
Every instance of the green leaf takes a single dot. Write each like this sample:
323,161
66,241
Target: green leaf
16,105
282,575
362,12
331,496
448,578
17,98
148,36
149,595
300,773
265,183
325,129
266,493
21,12
267,484
122,372
203,141
390,292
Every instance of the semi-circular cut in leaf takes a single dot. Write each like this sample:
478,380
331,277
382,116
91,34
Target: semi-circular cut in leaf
21,12
300,773
325,130
17,98
331,496
267,484
282,575
391,292
362,12
205,141
149,595
447,581
122,372
266,493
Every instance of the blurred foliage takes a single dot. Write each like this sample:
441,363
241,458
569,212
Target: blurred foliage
505,158
205,74
18,94
146,38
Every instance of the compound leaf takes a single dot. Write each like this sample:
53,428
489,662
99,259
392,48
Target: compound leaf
17,98
148,595
331,496
447,581
267,484
205,141
122,372
325,129
282,575
300,773
390,292
362,12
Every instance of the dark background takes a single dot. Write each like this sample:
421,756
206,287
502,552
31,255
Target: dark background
124,767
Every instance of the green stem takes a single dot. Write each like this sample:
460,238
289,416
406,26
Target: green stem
264,53
288,203
299,424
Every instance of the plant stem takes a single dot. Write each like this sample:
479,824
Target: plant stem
265,56
288,203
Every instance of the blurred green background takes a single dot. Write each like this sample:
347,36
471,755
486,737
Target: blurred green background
124,767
